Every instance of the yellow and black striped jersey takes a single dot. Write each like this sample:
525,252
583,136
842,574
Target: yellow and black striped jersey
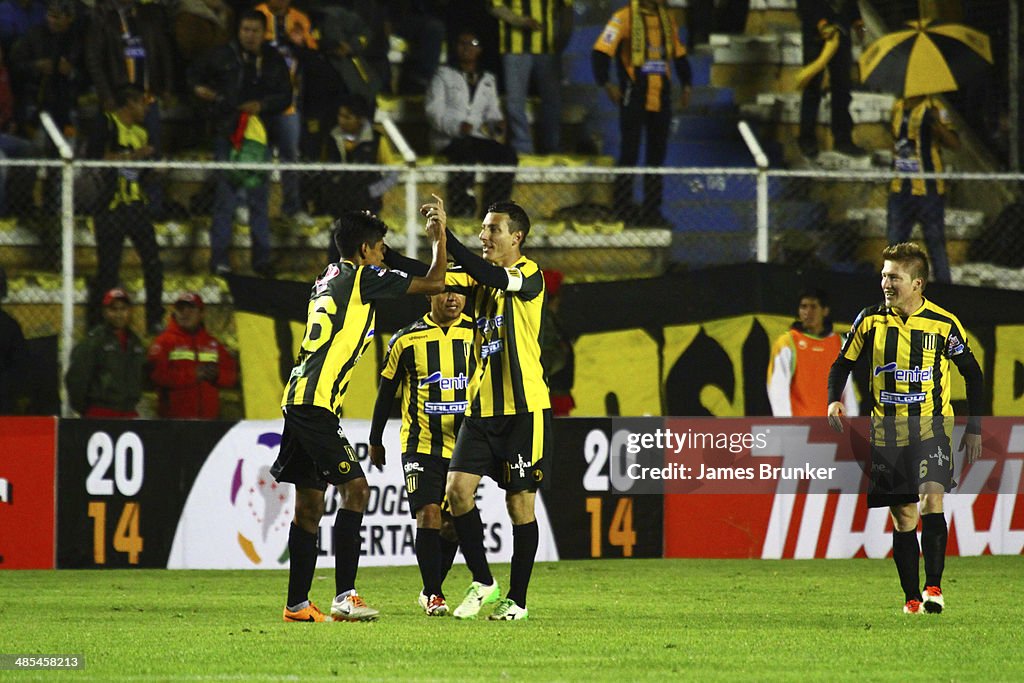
437,367
517,40
508,325
339,328
915,148
910,369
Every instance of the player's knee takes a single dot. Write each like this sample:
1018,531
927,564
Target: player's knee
460,498
931,502
904,517
308,513
429,517
355,495
520,507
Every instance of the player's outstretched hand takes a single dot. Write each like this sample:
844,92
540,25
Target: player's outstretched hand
972,444
378,457
836,412
437,219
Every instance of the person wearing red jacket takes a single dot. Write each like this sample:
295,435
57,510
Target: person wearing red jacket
189,365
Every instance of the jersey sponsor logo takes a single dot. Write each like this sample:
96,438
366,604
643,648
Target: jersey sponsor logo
412,467
491,348
894,398
445,383
941,456
445,407
915,375
321,284
485,325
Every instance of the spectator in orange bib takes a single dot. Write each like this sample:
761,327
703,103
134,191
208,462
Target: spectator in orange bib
188,365
801,359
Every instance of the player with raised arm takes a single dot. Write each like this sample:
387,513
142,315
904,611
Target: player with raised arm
433,361
314,449
911,343
507,432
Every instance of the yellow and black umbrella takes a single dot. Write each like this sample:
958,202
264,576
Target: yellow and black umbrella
926,59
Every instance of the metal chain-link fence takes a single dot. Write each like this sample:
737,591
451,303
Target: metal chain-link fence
835,220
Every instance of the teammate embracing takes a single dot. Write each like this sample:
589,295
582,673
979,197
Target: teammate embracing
912,343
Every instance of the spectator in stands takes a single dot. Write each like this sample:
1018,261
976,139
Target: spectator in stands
12,145
14,359
246,76
818,21
800,361
16,18
467,126
354,141
200,26
290,31
189,365
643,94
104,378
123,209
343,39
418,23
556,352
128,43
532,35
921,126
48,70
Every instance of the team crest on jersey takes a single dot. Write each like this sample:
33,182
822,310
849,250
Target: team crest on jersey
321,284
928,341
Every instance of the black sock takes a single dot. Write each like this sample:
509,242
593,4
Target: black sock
933,547
448,550
471,539
301,564
905,552
347,546
428,556
524,549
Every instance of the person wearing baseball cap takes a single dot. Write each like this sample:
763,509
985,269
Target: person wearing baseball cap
104,378
189,365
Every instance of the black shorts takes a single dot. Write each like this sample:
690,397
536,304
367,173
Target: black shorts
513,450
425,477
314,450
897,472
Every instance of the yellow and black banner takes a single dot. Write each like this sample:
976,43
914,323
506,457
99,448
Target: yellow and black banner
693,344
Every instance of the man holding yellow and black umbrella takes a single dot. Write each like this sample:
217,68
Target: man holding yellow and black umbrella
925,59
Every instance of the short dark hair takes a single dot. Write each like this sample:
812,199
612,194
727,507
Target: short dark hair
128,92
353,229
252,15
355,103
910,254
517,218
814,293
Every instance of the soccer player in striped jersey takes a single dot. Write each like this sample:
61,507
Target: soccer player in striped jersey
314,449
911,344
434,363
507,433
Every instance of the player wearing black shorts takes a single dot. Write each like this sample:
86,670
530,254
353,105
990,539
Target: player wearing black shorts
314,450
911,343
433,362
507,432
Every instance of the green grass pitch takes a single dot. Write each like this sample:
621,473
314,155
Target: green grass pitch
595,620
